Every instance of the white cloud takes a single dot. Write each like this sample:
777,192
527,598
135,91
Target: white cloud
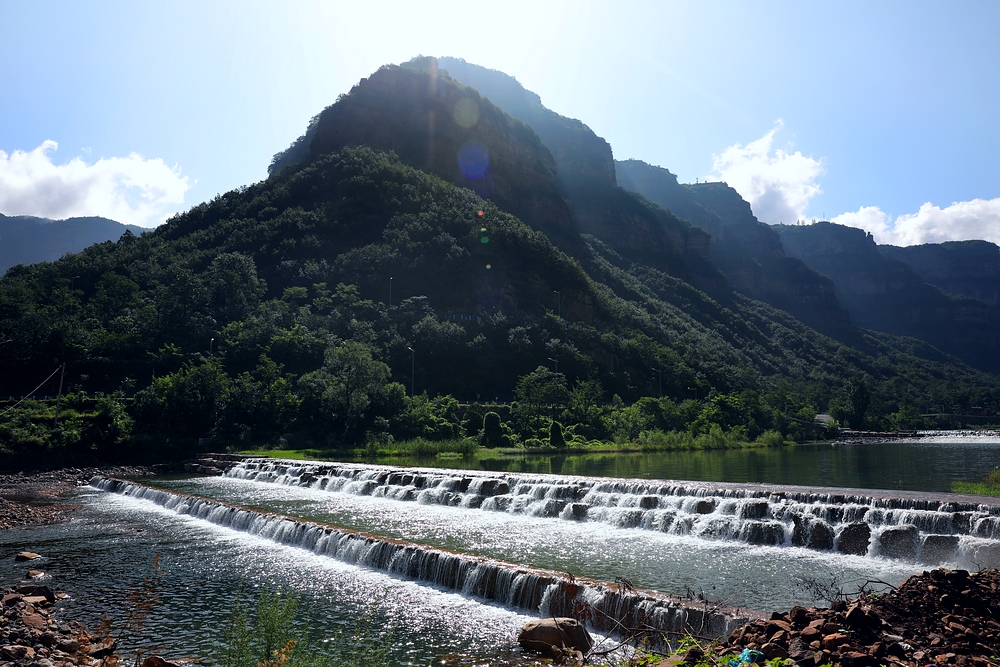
962,221
778,186
130,189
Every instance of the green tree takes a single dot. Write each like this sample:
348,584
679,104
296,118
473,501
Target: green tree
859,399
344,389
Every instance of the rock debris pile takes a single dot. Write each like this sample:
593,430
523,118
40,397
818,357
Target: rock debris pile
942,617
30,636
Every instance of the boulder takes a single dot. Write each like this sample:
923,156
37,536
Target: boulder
157,661
26,555
899,542
541,635
854,538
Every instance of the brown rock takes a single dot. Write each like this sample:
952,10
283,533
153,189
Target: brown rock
26,555
10,599
69,645
775,625
810,634
35,573
36,599
772,651
157,661
33,621
832,641
541,635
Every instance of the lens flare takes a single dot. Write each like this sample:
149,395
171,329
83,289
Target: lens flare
485,239
466,112
479,213
482,229
473,161
489,266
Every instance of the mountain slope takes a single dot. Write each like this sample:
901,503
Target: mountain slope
747,251
885,294
585,172
27,240
971,268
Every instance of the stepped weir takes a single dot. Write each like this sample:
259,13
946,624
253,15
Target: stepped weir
605,607
957,530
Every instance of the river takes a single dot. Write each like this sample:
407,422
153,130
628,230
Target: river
720,536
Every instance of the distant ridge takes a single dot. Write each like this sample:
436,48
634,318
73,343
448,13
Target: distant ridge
25,239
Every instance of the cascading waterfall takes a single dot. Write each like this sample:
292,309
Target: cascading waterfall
862,524
605,607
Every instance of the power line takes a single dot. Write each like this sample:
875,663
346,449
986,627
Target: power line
24,398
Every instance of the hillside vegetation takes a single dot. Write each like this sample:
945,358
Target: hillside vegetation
309,308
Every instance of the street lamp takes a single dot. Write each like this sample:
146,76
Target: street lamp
413,356
695,390
556,362
657,370
558,303
211,348
72,283
390,291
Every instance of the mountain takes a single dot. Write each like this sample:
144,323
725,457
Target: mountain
585,173
318,305
887,295
27,240
970,268
747,251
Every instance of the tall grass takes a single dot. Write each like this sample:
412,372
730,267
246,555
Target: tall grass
989,487
272,634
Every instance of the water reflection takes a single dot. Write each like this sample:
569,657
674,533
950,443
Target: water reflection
914,466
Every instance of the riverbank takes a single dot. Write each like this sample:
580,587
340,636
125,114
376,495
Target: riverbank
31,498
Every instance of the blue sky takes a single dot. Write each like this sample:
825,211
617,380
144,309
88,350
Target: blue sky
882,115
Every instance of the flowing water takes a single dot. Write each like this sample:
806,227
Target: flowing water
457,560
109,545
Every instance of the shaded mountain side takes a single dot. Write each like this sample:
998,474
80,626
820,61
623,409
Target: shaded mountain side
971,268
444,128
26,239
285,271
585,160
585,171
747,251
885,294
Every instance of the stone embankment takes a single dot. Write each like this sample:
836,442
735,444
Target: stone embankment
942,617
216,464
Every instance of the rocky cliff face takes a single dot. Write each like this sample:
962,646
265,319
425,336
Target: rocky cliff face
748,252
885,294
970,268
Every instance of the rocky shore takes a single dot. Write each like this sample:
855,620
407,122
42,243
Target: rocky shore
31,635
33,498
941,617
